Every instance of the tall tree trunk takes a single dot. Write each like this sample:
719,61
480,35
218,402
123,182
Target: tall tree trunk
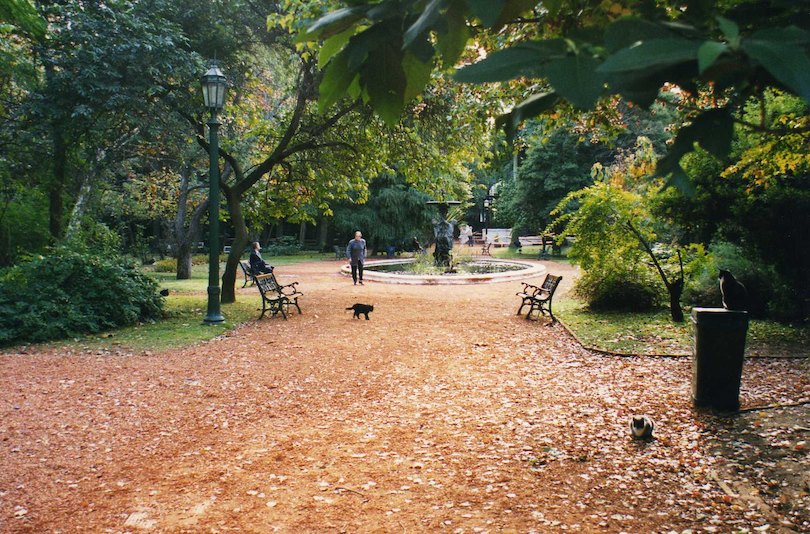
323,233
240,241
675,289
675,292
186,237
56,205
302,233
184,260
75,223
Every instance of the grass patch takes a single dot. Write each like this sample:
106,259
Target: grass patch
655,333
182,326
199,272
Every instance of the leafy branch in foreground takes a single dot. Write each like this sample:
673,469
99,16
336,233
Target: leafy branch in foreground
723,54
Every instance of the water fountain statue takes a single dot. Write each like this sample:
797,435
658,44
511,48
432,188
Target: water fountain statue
443,233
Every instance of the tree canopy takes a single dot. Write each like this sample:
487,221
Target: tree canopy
713,56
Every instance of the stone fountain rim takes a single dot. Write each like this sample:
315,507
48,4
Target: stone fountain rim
532,270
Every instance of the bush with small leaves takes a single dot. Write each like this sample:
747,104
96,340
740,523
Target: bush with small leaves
69,293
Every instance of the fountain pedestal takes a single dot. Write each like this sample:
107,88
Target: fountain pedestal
443,234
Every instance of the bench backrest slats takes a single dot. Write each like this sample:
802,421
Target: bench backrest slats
550,283
268,282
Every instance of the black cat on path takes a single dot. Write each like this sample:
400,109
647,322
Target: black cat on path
358,308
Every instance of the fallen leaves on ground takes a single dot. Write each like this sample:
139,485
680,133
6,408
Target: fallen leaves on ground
445,411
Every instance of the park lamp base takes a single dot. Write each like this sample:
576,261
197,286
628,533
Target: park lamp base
214,319
214,316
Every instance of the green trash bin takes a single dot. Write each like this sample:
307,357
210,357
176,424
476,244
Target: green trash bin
719,348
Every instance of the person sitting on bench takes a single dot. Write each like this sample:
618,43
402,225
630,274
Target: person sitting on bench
257,264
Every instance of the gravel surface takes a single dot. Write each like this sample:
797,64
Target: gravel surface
444,412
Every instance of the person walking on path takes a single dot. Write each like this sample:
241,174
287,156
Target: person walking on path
356,253
257,264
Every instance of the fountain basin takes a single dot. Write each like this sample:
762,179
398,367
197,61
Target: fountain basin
521,270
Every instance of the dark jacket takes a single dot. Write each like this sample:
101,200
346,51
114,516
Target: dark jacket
356,251
257,264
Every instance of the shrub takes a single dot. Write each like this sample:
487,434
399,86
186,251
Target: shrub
69,293
166,265
768,295
620,288
282,246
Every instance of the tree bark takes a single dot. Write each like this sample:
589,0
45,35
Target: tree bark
240,241
185,238
323,233
302,233
675,292
76,215
56,205
675,289
184,261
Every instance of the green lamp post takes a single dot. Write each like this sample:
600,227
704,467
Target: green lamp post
213,87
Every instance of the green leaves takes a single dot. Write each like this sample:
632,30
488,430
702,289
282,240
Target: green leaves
629,30
452,41
787,62
336,80
425,21
712,130
525,59
333,23
531,107
653,54
576,79
384,80
23,14
488,11
708,54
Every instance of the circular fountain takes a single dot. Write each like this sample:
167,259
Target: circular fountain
488,271
446,269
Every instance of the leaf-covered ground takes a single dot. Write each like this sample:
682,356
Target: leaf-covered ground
444,412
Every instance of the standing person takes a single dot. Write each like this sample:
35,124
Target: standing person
356,252
257,264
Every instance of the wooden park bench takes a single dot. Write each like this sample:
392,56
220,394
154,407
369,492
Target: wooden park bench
247,271
485,249
542,240
539,297
276,297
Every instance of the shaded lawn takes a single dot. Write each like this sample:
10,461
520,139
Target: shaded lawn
182,325
199,273
655,333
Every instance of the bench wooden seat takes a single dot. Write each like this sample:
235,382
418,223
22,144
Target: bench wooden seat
340,252
539,297
276,297
485,249
247,271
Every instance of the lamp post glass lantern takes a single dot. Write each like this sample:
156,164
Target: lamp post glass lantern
486,215
214,85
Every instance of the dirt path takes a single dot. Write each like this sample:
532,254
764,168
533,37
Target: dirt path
444,412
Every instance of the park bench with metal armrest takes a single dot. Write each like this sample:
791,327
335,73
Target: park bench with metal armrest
276,297
247,271
539,297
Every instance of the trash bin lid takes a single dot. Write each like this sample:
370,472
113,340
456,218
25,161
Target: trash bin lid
719,317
